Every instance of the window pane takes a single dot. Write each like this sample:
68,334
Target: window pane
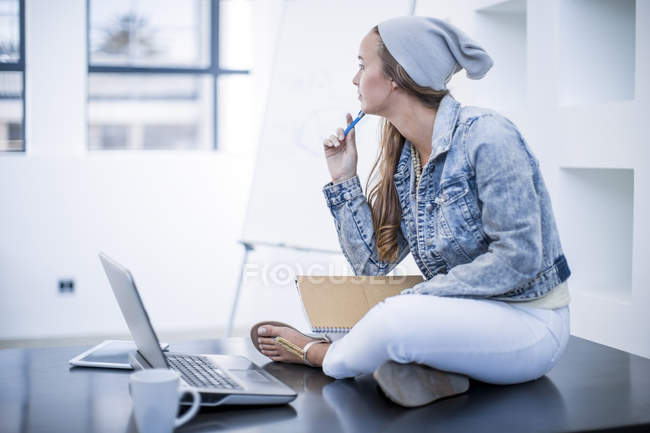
163,33
235,34
139,111
11,111
9,31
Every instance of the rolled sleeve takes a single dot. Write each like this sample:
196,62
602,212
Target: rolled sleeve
339,193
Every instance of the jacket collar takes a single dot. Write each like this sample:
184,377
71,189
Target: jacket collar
444,125
443,129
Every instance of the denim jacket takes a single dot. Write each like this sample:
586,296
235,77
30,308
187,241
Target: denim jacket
480,223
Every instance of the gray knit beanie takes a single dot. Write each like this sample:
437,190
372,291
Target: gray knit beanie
431,50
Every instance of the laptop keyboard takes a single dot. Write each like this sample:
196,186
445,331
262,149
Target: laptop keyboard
200,372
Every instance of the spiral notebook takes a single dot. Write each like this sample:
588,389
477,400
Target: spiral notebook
334,304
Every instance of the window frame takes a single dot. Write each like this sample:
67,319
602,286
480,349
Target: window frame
19,66
213,69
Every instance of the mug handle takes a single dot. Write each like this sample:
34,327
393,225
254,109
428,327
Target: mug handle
196,402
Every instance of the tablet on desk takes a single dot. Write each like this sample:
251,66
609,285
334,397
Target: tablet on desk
109,354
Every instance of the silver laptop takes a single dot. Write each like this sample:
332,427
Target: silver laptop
221,379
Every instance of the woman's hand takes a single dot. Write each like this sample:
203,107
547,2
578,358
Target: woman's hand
341,154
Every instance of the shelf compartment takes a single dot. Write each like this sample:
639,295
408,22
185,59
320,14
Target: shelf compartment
596,51
598,205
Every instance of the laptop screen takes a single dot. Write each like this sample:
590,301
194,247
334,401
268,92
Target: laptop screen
134,312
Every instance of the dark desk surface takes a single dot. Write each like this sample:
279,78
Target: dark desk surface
593,387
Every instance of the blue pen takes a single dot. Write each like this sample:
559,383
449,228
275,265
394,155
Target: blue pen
354,122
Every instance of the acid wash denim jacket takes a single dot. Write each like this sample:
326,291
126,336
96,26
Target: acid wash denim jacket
479,225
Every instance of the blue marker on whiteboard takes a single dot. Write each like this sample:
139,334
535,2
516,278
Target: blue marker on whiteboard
354,122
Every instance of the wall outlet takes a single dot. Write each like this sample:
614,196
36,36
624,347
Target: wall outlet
66,286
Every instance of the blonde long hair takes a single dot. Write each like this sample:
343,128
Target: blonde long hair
382,196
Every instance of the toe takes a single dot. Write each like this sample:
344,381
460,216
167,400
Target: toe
266,330
266,340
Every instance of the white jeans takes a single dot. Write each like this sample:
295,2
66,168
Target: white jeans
490,341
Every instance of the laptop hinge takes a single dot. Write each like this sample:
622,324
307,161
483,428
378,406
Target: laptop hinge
137,361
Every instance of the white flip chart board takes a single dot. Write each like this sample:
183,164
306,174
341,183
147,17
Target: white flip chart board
310,91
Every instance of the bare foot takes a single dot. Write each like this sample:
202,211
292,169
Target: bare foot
276,352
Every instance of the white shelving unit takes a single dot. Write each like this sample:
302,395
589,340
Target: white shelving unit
573,75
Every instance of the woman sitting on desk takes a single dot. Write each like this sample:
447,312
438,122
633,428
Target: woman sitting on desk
460,190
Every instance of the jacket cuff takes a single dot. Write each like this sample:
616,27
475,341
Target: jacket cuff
342,192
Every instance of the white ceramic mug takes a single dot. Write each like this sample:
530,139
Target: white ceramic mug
156,393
